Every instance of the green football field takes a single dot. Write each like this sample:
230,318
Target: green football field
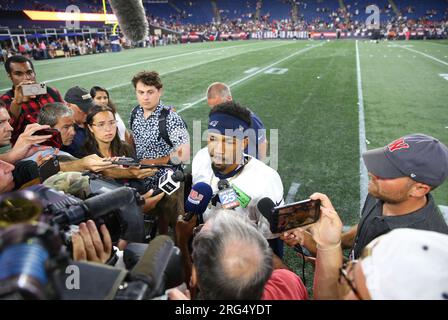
308,90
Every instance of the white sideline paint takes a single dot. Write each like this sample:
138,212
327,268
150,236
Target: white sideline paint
137,63
128,83
255,73
426,55
251,70
444,211
363,177
444,75
276,71
293,189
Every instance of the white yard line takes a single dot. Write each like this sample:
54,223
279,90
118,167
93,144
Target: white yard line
426,55
363,176
254,74
138,63
127,83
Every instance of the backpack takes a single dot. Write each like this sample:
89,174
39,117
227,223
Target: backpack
163,132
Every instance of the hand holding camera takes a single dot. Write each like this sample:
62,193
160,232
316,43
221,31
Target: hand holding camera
88,245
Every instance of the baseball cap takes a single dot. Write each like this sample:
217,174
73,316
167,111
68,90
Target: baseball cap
73,183
407,264
422,158
81,97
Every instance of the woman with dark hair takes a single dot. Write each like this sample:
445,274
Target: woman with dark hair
101,97
102,139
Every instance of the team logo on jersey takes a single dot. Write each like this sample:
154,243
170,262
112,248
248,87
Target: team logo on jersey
398,145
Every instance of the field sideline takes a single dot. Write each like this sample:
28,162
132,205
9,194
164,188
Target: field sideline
314,104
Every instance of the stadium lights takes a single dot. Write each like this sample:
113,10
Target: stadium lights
68,16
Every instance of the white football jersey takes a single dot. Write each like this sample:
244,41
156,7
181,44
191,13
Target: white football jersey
256,180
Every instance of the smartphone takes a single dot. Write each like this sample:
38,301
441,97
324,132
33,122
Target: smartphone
34,89
48,169
295,215
130,162
54,141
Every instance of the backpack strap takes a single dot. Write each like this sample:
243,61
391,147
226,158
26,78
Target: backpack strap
132,117
162,126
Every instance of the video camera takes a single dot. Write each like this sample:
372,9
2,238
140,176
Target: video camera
35,265
116,206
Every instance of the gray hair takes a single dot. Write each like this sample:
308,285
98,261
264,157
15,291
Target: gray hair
232,259
219,89
52,112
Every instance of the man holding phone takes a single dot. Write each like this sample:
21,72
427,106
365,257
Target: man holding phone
402,175
24,109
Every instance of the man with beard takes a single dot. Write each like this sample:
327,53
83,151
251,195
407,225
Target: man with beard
402,175
224,161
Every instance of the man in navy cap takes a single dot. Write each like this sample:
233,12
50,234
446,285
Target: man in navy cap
402,175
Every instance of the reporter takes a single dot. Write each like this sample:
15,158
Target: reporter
102,98
232,260
26,145
102,140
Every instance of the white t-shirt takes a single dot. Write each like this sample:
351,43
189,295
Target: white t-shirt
256,180
120,126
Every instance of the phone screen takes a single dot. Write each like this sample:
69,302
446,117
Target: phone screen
48,169
295,215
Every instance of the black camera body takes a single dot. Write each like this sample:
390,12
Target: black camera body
119,209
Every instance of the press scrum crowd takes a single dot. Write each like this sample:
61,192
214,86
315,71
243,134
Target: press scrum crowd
216,215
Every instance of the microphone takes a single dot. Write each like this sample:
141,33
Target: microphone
159,268
169,182
227,195
198,200
223,184
131,18
265,206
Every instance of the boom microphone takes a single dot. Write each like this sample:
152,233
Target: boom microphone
131,18
198,200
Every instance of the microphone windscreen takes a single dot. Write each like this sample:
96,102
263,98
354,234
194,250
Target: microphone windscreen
178,176
131,18
265,206
199,197
223,184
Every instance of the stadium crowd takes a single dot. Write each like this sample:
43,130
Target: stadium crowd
398,250
241,23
